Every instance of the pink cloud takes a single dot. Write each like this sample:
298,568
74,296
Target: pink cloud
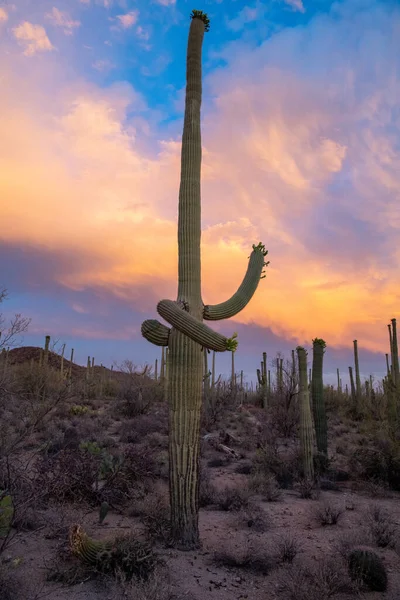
33,38
63,20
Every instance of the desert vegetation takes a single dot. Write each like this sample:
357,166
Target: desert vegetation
84,478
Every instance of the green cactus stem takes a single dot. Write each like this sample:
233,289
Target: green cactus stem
176,315
357,368
395,362
242,297
263,380
156,370
188,334
353,392
339,387
122,554
46,350
156,333
318,401
306,424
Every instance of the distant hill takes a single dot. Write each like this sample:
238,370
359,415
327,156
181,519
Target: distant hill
25,354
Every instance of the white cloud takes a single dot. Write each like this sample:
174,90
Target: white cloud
62,19
103,65
296,5
166,2
33,37
129,19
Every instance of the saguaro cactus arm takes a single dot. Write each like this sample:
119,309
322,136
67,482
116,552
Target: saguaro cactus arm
155,332
233,306
175,314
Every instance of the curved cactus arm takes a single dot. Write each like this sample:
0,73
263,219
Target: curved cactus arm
175,314
244,294
86,548
155,332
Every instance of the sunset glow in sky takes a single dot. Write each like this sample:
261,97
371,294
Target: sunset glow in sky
301,150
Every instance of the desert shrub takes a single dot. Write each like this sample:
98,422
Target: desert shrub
328,513
307,489
379,462
285,466
249,557
69,476
207,493
156,516
214,463
254,518
233,499
266,485
325,580
135,430
156,587
78,410
367,567
287,548
244,468
132,401
382,527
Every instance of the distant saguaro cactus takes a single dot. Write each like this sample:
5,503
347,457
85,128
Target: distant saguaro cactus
188,333
306,424
262,378
317,391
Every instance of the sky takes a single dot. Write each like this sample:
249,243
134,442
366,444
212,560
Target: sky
301,150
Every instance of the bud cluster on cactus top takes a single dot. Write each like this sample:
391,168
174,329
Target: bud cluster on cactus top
199,14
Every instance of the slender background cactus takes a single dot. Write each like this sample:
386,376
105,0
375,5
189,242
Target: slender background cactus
188,333
317,391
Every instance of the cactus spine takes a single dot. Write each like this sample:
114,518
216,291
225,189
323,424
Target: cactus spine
306,425
188,333
317,391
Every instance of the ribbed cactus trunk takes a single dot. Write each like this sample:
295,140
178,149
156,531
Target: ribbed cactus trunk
188,333
318,401
353,393
306,424
395,363
358,379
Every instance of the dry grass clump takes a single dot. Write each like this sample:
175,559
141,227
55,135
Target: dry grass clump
249,556
233,499
287,548
383,530
254,518
305,582
266,485
157,587
328,513
208,494
307,489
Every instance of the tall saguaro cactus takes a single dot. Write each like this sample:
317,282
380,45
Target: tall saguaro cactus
306,425
188,333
